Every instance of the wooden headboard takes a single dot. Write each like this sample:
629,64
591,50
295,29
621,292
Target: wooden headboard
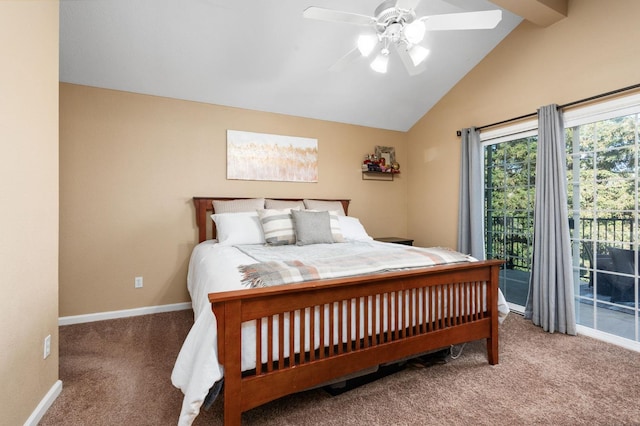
204,210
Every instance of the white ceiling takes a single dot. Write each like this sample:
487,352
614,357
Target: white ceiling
263,55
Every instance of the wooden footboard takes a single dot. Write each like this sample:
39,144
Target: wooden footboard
350,324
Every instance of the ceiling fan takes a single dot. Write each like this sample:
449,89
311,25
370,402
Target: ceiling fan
395,24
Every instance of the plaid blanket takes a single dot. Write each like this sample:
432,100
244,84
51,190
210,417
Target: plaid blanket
293,264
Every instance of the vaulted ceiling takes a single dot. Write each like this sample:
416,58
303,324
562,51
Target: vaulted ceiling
263,55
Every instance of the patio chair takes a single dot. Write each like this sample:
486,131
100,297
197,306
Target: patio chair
604,264
622,287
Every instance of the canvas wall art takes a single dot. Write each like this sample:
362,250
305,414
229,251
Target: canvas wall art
261,156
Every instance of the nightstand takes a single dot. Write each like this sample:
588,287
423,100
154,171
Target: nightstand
395,240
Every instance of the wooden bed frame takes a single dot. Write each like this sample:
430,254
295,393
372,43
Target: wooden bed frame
435,307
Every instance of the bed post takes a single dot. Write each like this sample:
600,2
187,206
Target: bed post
492,341
232,361
201,217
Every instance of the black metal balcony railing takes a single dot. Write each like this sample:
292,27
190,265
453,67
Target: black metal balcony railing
511,238
605,231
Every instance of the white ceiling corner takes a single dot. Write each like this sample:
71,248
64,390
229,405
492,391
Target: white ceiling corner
263,55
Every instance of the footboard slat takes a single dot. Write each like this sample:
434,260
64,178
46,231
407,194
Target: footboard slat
358,319
396,311
349,325
259,346
340,323
413,322
281,355
478,310
455,311
270,343
427,311
323,342
291,334
376,329
331,329
303,335
468,299
312,322
366,325
441,309
315,332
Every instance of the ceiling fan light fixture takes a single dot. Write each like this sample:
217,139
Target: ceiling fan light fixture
397,25
380,63
414,32
366,43
418,54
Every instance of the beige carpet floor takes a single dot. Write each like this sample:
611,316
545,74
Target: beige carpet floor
117,372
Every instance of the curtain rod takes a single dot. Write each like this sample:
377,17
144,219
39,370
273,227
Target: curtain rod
533,114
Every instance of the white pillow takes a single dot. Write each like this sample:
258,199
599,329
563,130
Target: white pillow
238,228
277,226
238,206
323,205
352,229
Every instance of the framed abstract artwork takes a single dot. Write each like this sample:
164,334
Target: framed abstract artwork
262,156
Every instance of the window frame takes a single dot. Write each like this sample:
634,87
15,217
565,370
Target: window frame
506,134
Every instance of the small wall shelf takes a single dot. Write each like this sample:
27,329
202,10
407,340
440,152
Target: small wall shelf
377,176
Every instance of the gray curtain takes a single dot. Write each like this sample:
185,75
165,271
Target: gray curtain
551,301
471,202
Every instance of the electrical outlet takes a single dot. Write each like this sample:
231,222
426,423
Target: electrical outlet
137,282
47,346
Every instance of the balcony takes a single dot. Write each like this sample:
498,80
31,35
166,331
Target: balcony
605,281
607,277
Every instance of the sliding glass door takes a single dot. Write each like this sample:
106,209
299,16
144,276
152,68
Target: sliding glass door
603,205
603,167
509,190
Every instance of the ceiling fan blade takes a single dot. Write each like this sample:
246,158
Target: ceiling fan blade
408,63
407,4
337,16
343,62
483,20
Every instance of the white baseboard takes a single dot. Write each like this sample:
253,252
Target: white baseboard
44,405
100,316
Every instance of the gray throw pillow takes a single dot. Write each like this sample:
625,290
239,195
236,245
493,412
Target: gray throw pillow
312,227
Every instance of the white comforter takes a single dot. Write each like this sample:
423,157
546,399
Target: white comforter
197,368
214,268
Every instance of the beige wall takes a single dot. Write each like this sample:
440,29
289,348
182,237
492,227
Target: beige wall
29,205
593,51
130,163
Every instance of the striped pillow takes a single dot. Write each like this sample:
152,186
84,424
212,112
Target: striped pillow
277,226
336,229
